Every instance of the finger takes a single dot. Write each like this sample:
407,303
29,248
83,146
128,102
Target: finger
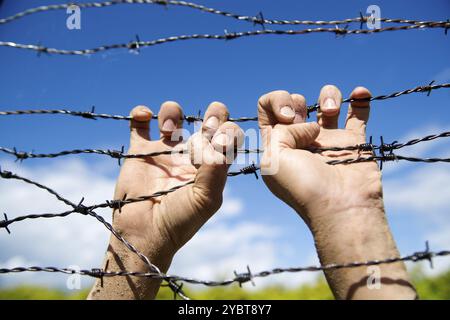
302,134
170,118
299,107
358,111
216,114
211,161
228,138
275,107
140,125
330,103
211,174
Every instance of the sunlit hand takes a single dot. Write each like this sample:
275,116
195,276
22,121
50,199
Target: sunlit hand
342,204
304,180
160,226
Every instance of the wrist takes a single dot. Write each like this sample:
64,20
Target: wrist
119,258
360,234
354,219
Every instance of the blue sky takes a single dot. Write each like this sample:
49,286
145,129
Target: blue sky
194,74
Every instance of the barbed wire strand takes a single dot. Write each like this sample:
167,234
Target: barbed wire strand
256,20
136,45
239,278
85,210
388,157
118,204
191,118
115,204
157,274
120,154
382,146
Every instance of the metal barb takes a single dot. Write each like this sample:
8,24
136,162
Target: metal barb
425,255
368,146
362,19
4,223
251,169
259,19
80,208
241,278
229,36
98,273
429,88
134,46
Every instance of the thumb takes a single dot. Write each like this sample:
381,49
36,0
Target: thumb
211,175
216,157
302,134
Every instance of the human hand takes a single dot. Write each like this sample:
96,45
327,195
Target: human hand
342,204
303,179
160,226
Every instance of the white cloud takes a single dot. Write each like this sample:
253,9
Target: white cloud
74,240
422,149
222,246
425,190
424,193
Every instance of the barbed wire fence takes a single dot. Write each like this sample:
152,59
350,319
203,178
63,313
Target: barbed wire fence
257,20
381,152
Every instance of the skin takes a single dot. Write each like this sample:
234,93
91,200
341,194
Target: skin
341,204
160,226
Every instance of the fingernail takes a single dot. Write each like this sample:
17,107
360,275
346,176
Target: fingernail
212,123
287,111
168,125
329,105
222,139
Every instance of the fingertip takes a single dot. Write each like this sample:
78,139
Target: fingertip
141,113
330,99
140,124
216,114
360,93
170,118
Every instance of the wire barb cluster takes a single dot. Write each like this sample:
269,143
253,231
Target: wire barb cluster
385,151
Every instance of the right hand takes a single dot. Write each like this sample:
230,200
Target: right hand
302,179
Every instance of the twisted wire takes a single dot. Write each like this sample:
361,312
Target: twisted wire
257,19
120,154
239,278
116,154
190,118
137,45
383,146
